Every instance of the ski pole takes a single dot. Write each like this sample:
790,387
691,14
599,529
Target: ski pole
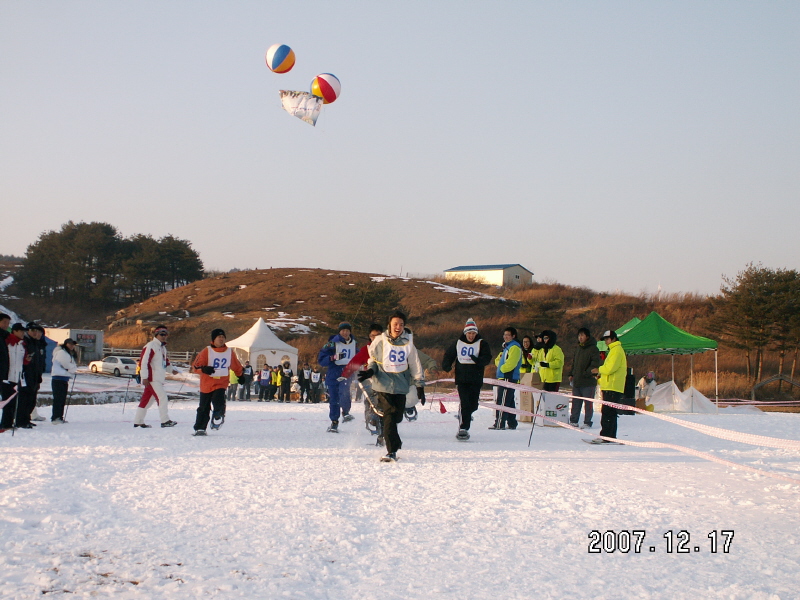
66,410
533,424
16,410
125,400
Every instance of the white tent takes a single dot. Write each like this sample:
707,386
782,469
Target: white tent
669,398
260,346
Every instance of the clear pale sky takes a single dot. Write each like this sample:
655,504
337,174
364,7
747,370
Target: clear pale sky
616,145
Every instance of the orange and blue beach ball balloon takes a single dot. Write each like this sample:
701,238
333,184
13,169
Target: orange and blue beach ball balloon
280,58
327,87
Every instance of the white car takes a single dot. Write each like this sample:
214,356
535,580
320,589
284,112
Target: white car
115,365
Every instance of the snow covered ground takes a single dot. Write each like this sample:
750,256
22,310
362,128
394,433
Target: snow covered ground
271,506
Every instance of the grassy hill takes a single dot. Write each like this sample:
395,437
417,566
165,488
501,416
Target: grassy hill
303,306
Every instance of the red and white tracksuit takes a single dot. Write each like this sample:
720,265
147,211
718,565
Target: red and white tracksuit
154,363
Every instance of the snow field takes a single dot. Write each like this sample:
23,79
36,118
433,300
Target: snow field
272,506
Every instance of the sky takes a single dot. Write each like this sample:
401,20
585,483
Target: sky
614,145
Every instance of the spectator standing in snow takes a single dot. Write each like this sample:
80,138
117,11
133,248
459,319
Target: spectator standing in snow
315,382
275,382
470,354
247,376
233,385
263,383
5,389
583,382
551,362
612,384
15,380
32,370
214,363
154,366
394,368
508,369
646,387
335,355
527,356
65,366
286,372
304,381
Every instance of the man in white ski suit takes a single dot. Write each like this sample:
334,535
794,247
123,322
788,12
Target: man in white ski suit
154,363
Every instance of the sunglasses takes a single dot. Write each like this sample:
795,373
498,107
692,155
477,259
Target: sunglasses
159,334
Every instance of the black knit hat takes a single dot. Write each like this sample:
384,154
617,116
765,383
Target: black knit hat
216,333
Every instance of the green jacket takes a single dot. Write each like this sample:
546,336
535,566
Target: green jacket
555,358
614,369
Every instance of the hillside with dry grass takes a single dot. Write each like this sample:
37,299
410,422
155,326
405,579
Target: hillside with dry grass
301,306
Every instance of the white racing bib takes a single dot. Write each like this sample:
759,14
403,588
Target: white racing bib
465,351
221,361
315,377
395,358
349,351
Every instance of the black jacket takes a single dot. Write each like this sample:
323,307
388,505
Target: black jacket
34,369
4,360
466,374
587,357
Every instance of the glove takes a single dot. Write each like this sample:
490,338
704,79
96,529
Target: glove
364,375
207,370
421,395
241,380
545,365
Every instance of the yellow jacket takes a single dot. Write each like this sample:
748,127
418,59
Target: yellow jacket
614,369
555,358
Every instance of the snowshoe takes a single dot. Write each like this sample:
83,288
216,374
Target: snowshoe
462,435
411,413
334,427
199,433
217,419
391,457
347,417
169,424
380,441
142,425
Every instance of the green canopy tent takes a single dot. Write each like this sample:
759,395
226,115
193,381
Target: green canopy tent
601,345
656,335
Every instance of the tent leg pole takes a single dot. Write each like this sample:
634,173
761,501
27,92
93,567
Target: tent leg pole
716,380
672,356
691,377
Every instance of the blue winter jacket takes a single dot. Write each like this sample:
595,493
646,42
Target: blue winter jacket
326,358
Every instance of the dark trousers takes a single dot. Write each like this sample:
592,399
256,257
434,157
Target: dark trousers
314,394
27,402
505,397
551,387
582,392
285,393
469,394
263,391
207,400
608,422
60,389
271,389
10,409
244,390
231,391
393,407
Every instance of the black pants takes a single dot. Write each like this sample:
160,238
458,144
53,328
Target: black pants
608,422
10,409
551,387
393,407
27,402
505,397
60,389
313,393
469,394
263,391
207,400
285,392
244,390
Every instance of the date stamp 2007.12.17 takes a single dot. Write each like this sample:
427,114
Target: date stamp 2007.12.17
625,541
